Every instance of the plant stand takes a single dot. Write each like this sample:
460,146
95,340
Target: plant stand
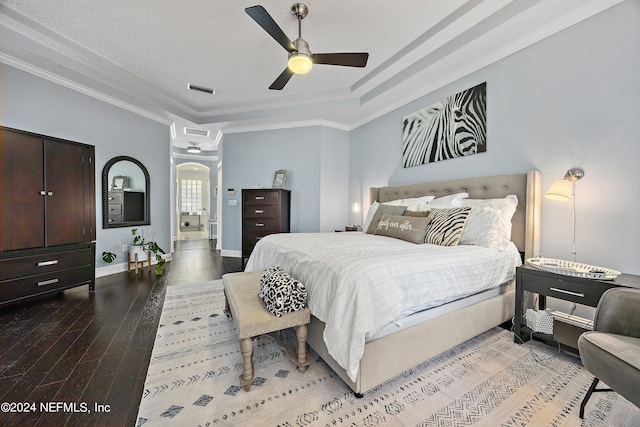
138,264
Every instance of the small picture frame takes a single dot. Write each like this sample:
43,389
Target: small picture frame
120,182
280,178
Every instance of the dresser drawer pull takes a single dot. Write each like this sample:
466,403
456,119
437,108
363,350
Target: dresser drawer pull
48,282
259,197
258,211
46,263
259,224
562,291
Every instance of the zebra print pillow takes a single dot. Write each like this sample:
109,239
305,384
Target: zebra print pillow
446,225
280,292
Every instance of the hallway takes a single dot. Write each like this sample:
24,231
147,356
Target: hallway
94,349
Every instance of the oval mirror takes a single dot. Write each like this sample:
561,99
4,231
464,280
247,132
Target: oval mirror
125,193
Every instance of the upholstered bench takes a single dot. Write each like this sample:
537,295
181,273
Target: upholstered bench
252,319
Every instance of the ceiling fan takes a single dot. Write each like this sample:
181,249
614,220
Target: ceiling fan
300,57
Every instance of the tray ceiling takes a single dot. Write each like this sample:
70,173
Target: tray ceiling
141,55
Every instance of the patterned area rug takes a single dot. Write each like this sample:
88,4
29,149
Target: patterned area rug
486,381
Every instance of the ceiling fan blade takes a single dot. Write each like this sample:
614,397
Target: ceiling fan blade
345,59
262,17
282,80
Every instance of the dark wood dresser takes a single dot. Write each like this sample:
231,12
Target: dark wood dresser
47,215
264,211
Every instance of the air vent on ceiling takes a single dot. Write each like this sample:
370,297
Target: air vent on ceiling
201,88
196,132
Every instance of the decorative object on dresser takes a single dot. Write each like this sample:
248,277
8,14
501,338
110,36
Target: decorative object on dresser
264,211
47,216
125,193
280,178
579,290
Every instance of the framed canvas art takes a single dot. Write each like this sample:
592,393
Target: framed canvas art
453,127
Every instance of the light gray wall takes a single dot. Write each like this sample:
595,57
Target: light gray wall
33,104
315,158
572,100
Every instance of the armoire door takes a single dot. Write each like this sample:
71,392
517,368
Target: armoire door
64,203
22,210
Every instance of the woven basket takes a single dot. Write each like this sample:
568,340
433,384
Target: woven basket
539,321
570,268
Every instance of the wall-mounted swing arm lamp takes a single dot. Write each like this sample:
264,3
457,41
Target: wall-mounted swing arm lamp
562,190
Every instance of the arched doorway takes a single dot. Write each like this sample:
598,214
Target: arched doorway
193,201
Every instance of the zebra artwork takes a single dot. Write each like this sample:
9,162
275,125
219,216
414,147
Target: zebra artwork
453,127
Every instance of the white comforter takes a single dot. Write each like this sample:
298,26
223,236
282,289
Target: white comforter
358,283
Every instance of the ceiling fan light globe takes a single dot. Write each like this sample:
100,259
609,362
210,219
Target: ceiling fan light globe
299,63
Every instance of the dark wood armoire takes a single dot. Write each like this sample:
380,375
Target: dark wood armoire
47,215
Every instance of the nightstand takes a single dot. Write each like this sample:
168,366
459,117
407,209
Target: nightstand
568,288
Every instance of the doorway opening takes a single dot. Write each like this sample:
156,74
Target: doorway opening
193,202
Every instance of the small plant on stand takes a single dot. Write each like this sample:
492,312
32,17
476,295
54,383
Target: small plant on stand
141,246
149,246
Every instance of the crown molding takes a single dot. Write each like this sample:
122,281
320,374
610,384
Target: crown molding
194,157
39,72
285,125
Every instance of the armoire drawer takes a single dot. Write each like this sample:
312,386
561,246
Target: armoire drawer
31,265
250,238
258,197
260,224
28,286
115,209
260,211
115,197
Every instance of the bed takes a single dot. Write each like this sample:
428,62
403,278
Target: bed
397,342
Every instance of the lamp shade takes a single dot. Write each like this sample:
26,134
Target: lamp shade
560,191
300,63
194,149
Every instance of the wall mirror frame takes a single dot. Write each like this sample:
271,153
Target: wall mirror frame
106,187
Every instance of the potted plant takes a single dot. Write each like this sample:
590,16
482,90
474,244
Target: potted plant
141,247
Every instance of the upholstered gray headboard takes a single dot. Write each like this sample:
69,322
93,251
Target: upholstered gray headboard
525,232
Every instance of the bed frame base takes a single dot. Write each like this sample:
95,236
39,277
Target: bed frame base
389,356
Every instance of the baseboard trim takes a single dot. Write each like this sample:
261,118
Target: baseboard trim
108,270
230,253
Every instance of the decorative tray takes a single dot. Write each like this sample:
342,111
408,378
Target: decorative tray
575,269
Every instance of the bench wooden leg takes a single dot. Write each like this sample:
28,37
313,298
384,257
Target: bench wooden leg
246,349
301,335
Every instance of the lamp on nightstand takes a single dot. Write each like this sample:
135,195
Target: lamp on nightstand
561,191
355,208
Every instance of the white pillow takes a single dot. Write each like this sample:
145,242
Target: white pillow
448,201
370,213
506,207
413,203
483,229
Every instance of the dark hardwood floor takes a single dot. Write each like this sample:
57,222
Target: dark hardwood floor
64,354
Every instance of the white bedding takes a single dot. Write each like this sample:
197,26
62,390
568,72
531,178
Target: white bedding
358,283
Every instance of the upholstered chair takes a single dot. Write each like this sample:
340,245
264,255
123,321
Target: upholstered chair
611,352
